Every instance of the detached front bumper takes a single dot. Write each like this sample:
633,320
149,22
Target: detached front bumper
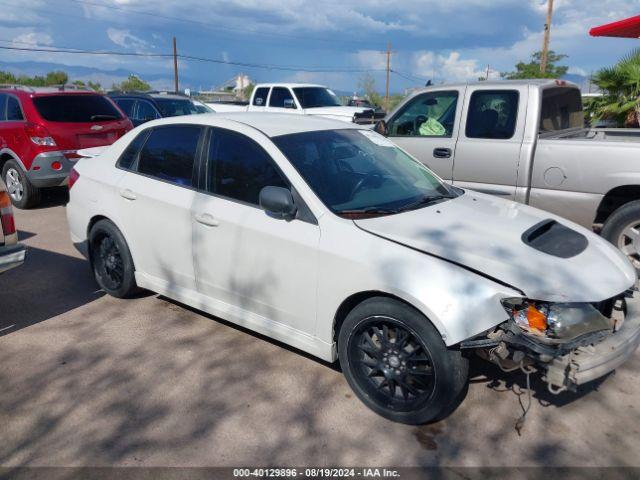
51,169
590,362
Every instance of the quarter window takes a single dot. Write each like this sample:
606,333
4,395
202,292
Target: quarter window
281,98
3,104
128,157
169,154
14,112
241,168
492,114
260,97
431,114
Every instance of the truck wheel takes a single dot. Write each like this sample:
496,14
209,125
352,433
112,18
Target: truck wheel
622,229
23,194
111,260
396,362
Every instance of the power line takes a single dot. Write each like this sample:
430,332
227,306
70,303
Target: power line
410,77
291,68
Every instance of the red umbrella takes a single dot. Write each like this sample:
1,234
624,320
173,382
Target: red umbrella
627,28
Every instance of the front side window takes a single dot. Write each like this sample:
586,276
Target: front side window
169,154
492,114
146,111
431,114
71,108
312,97
260,97
359,172
281,98
175,107
240,167
14,112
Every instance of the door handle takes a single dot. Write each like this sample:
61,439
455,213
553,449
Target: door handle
206,219
442,152
128,194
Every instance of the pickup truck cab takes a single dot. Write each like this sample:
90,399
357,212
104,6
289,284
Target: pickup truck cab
526,141
301,99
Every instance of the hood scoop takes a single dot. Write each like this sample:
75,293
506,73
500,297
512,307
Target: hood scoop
553,238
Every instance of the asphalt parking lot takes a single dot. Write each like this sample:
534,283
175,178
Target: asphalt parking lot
90,380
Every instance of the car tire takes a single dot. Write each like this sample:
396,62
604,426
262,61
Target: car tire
622,229
22,192
397,364
111,260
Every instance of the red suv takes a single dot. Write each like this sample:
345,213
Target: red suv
41,130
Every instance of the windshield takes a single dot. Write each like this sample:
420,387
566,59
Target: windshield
76,108
312,97
174,107
360,173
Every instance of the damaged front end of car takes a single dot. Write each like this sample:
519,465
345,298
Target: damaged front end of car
568,343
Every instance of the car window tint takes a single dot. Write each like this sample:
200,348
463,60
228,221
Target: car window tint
241,168
3,105
492,114
14,112
169,154
431,114
279,96
130,153
146,111
126,105
260,97
73,108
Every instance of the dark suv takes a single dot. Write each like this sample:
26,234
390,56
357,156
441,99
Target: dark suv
143,107
41,130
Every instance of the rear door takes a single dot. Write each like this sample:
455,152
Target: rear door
155,198
427,127
488,150
80,120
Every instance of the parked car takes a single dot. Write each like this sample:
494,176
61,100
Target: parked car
526,141
202,107
301,99
326,236
142,107
42,128
12,253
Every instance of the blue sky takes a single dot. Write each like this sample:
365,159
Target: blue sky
454,40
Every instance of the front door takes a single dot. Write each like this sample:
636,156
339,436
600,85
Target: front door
488,150
427,127
260,270
281,101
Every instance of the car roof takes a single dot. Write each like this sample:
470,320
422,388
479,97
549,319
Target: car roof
289,85
271,124
26,91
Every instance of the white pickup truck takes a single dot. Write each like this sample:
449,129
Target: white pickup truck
526,141
299,98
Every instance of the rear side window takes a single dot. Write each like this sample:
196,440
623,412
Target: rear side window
260,97
561,109
241,168
76,108
14,112
492,114
128,157
126,105
169,154
279,96
3,106
146,111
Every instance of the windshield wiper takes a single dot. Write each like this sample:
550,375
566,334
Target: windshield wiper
103,117
370,211
424,201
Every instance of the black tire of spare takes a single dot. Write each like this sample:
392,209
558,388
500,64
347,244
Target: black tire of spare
451,367
31,195
619,219
128,286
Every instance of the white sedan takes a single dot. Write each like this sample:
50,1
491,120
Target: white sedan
328,237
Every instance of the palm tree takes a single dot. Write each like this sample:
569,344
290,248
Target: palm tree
620,85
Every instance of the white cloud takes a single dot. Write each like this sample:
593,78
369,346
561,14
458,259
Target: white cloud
32,39
451,67
124,38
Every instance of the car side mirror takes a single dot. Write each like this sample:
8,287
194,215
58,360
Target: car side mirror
288,103
278,202
381,128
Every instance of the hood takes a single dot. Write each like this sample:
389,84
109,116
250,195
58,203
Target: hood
335,112
544,256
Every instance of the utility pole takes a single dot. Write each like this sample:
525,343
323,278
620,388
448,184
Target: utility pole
486,77
386,97
545,41
175,66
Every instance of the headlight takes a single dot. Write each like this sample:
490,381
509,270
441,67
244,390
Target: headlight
559,321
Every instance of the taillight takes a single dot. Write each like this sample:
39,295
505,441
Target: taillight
39,135
6,214
73,177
